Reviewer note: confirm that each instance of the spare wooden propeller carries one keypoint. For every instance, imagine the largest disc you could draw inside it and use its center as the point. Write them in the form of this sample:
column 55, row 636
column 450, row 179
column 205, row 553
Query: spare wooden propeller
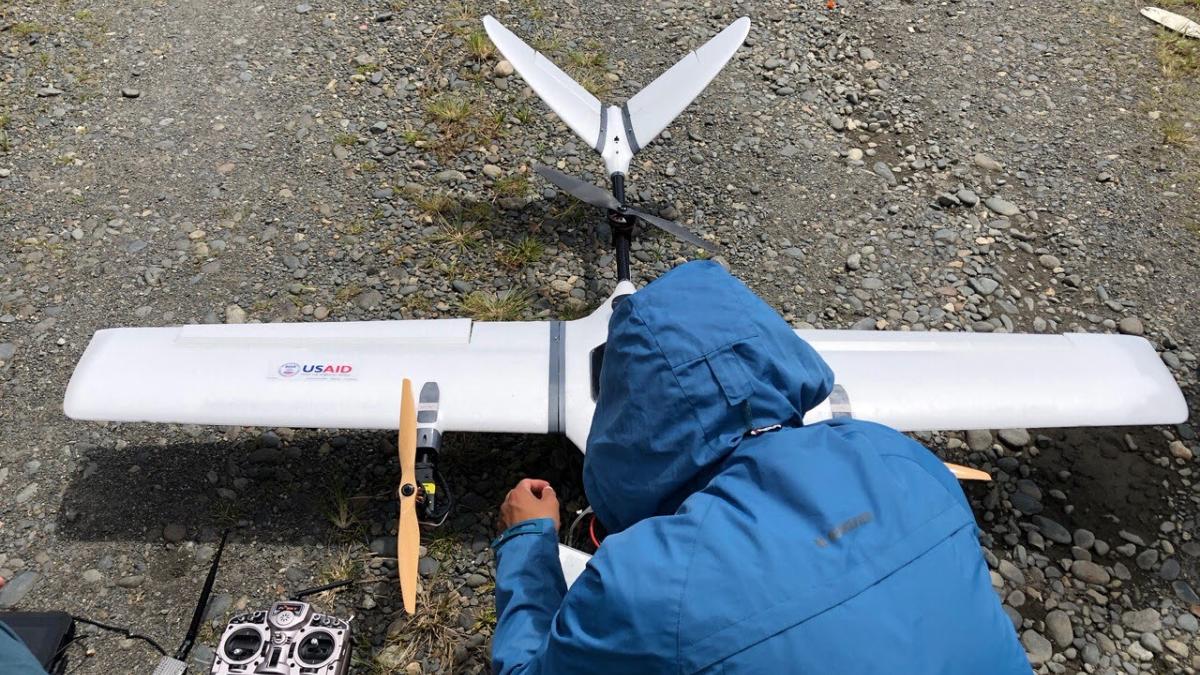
column 408, row 530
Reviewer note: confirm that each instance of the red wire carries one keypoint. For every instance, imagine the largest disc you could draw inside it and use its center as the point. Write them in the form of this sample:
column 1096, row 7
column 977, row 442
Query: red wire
column 592, row 531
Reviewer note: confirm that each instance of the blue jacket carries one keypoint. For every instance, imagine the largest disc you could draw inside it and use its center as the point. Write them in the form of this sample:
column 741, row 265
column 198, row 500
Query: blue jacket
column 737, row 546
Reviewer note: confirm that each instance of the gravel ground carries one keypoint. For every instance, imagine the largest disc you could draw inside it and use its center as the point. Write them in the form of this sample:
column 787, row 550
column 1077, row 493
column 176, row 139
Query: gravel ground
column 886, row 165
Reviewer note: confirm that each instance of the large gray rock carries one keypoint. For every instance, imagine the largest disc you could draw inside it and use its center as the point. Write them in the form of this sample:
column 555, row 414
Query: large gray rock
column 1001, row 206
column 1017, row 438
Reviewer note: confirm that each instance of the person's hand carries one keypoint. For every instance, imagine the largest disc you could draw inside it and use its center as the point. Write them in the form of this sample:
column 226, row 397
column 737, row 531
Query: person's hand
column 531, row 498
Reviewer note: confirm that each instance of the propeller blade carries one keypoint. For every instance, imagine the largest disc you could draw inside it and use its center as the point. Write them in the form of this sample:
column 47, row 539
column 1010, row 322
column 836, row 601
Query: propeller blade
column 579, row 189
column 676, row 229
column 967, row 473
column 408, row 530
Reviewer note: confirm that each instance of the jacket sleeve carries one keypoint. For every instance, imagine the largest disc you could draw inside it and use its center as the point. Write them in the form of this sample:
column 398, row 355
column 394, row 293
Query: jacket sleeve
column 597, row 627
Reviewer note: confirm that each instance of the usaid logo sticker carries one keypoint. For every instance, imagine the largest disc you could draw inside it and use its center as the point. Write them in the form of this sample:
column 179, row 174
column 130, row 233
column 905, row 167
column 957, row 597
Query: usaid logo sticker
column 293, row 370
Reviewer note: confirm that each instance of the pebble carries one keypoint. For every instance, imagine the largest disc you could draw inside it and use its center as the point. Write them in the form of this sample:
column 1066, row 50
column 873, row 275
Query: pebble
column 17, row 588
column 979, row 440
column 49, row 92
column 1084, row 539
column 1090, row 572
column 1142, row 621
column 235, row 314
column 503, row 68
column 884, row 171
column 1058, row 625
column 1131, row 325
column 1052, row 530
column 1011, row 572
column 1001, row 206
column 7, row 350
column 1017, row 438
column 130, row 92
column 303, row 8
column 837, row 122
column 1177, row 448
column 93, row 576
column 987, row 163
column 476, row 580
column 1037, row 647
column 967, row 197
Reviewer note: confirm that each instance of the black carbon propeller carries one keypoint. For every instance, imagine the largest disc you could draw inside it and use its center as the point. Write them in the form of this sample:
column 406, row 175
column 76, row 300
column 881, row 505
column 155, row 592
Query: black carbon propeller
column 599, row 197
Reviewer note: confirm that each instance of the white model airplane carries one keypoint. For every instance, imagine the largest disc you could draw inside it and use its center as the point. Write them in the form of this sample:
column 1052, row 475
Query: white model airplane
column 540, row 377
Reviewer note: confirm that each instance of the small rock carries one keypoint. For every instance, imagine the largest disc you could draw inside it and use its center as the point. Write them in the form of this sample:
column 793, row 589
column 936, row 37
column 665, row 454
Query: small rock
column 1170, row 569
column 49, row 92
column 967, row 197
column 1037, row 647
column 1178, row 449
column 1017, row 438
column 1131, row 325
column 987, row 163
column 450, row 176
column 492, row 171
column 16, row 589
column 130, row 92
column 1151, row 642
column 235, row 314
column 303, row 8
column 1011, row 572
column 503, row 68
column 1142, row 621
column 1146, row 559
column 1001, row 206
column 854, row 261
column 837, row 122
column 884, row 171
column 218, row 604
column 1058, row 624
column 1090, row 572
column 1052, row 530
column 1084, row 539
column 979, row 440
column 476, row 580
column 93, row 576
column 131, row 581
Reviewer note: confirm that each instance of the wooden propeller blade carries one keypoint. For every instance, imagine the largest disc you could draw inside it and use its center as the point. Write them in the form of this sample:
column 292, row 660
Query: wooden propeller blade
column 408, row 530
column 967, row 473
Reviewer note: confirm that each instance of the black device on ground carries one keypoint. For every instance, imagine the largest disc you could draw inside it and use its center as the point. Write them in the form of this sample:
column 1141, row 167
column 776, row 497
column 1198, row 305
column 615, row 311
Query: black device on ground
column 45, row 634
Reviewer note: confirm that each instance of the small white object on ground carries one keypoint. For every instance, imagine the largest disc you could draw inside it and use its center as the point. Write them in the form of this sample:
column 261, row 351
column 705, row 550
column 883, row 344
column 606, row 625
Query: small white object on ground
column 1173, row 21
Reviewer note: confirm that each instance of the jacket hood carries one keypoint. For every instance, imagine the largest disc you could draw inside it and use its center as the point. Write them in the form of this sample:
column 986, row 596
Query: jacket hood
column 694, row 362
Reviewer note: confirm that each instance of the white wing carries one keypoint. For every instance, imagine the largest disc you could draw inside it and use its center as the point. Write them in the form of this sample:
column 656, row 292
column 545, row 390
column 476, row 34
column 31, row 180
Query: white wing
column 653, row 108
column 935, row 381
column 535, row 377
column 492, row 376
column 571, row 102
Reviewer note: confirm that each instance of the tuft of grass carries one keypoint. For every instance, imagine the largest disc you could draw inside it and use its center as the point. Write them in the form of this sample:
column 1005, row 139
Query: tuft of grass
column 412, row 136
column 1178, row 56
column 449, row 108
column 366, row 68
column 24, row 29
column 343, row 566
column 1176, row 133
column 460, row 234
column 83, row 15
column 503, row 306
column 346, row 140
column 368, row 166
column 5, row 141
column 516, row 185
column 432, row 630
column 480, row 46
column 525, row 252
column 524, row 114
column 435, row 204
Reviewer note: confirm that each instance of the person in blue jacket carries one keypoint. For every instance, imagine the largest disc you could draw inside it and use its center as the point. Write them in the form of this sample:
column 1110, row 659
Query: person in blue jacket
column 15, row 657
column 742, row 540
